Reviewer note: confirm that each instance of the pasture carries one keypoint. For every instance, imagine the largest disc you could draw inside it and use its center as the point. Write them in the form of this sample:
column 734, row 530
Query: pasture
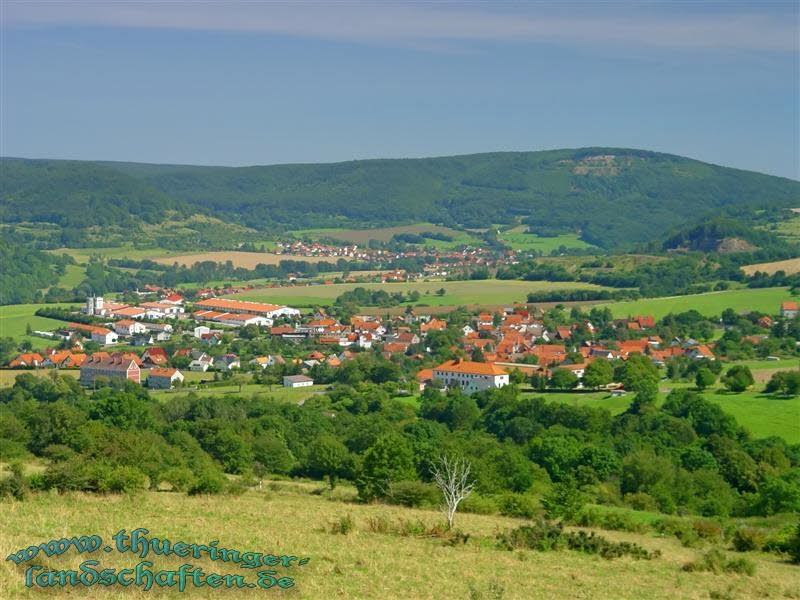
column 385, row 234
column 767, row 300
column 457, row 293
column 14, row 319
column 789, row 266
column 247, row 260
column 295, row 518
column 519, row 240
column 762, row 414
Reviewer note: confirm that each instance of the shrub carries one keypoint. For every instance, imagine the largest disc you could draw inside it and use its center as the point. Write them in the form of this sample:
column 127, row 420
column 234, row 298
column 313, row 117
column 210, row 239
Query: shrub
column 542, row 536
column 481, row 505
column 14, row 486
column 742, row 565
column 794, row 546
column 379, row 524
column 715, row 561
column 547, row 536
column 412, row 493
column 747, row 539
column 708, row 530
column 180, row 478
column 516, row 505
column 11, row 450
column 343, row 525
column 126, row 480
column 641, row 501
column 209, row 481
column 564, row 500
column 59, row 452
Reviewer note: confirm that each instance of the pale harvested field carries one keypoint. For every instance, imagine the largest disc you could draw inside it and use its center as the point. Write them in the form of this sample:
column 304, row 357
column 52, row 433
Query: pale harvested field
column 247, row 260
column 285, row 519
column 383, row 234
column 790, row 266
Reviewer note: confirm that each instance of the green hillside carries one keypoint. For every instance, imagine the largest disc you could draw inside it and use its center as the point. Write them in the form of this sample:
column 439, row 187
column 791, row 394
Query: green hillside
column 610, row 197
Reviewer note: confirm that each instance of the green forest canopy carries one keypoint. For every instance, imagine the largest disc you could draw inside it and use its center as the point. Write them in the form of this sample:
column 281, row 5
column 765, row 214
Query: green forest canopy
column 613, row 197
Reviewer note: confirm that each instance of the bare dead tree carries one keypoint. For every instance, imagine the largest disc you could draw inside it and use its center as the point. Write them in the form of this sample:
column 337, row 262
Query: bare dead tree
column 452, row 476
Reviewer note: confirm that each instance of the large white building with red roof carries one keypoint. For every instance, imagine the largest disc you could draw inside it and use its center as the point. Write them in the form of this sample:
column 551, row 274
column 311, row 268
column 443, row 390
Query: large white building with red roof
column 225, row 305
column 470, row 376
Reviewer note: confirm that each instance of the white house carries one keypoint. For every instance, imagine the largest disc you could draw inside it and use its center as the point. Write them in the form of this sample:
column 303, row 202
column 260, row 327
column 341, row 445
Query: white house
column 296, row 381
column 104, row 336
column 200, row 330
column 470, row 376
column 163, row 379
column 129, row 327
column 199, row 365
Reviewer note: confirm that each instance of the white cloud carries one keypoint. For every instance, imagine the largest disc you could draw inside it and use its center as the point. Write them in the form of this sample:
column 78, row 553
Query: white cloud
column 427, row 25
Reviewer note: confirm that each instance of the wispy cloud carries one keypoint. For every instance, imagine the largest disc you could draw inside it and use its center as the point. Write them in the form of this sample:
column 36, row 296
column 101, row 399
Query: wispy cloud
column 427, row 25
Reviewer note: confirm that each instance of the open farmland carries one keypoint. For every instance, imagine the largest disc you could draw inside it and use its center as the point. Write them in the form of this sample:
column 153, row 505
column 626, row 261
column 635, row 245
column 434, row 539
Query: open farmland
column 789, row 266
column 247, row 260
column 295, row 518
column 384, row 234
column 518, row 239
column 457, row 293
column 767, row 300
column 15, row 318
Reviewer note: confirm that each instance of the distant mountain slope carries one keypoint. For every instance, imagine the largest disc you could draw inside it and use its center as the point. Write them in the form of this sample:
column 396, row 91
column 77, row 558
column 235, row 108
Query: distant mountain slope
column 613, row 197
column 77, row 194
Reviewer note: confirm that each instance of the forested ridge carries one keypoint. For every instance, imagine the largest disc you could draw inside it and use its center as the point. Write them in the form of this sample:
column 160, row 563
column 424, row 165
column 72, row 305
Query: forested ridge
column 613, row 197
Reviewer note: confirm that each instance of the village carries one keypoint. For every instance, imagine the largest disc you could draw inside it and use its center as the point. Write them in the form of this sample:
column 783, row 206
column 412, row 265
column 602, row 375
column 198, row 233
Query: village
column 156, row 342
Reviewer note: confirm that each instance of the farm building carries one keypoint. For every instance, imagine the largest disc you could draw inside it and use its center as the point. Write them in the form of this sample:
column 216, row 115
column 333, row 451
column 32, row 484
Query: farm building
column 470, row 376
column 296, row 381
column 271, row 311
column 102, row 364
column 164, row 379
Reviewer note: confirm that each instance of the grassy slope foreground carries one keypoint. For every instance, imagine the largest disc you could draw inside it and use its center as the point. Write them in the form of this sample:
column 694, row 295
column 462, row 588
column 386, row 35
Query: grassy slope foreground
column 286, row 518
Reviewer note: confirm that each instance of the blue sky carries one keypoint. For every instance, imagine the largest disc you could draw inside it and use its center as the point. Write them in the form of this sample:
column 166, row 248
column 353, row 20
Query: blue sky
column 240, row 83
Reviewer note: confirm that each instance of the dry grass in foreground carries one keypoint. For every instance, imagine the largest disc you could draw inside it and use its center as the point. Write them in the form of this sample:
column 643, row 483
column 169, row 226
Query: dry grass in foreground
column 286, row 518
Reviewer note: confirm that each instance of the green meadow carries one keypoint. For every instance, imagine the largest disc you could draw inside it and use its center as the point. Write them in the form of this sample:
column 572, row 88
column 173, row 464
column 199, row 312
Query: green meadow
column 15, row 318
column 457, row 293
column 767, row 300
column 518, row 239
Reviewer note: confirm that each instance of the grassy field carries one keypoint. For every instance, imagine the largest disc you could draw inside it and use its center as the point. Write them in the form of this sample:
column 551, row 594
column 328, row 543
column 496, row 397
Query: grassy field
column 766, row 300
column 14, row 319
column 384, row 234
column 789, row 266
column 518, row 239
column 279, row 393
column 82, row 255
column 9, row 376
column 760, row 413
column 247, row 260
column 457, row 293
column 288, row 518
column 73, row 277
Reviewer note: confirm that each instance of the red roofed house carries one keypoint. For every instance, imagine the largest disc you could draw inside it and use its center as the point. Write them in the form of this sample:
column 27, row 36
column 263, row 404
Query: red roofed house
column 101, row 364
column 470, row 376
column 789, row 310
column 32, row 359
column 163, row 379
column 65, row 359
column 433, row 325
column 156, row 357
